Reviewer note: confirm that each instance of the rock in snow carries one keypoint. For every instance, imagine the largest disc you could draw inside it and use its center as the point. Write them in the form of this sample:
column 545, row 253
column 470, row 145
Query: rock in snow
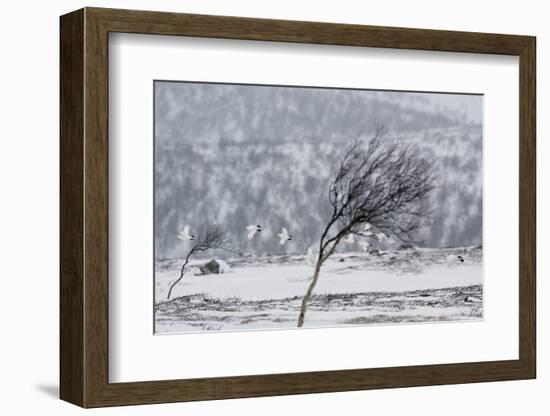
column 472, row 299
column 214, row 267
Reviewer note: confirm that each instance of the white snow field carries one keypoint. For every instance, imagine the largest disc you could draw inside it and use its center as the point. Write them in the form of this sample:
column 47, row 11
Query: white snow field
column 265, row 292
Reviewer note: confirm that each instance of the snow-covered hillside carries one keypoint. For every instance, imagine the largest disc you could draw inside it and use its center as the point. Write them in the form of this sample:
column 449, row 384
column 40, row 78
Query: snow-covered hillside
column 241, row 154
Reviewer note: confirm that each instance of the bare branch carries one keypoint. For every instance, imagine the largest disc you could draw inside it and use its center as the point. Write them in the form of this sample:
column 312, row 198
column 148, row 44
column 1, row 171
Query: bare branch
column 210, row 237
column 383, row 182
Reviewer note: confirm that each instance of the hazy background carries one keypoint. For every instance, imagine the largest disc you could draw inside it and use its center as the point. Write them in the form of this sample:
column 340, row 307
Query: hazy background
column 242, row 154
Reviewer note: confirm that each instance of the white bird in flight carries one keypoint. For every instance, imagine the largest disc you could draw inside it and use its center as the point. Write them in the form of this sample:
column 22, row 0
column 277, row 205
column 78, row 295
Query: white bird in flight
column 454, row 259
column 311, row 257
column 364, row 245
column 366, row 231
column 349, row 239
column 284, row 236
column 252, row 230
column 184, row 234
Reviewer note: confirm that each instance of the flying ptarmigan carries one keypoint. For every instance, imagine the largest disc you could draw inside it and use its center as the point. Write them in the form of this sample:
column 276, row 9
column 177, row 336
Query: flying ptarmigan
column 284, row 236
column 184, row 234
column 453, row 259
column 381, row 236
column 364, row 245
column 366, row 229
column 252, row 230
column 311, row 257
column 349, row 239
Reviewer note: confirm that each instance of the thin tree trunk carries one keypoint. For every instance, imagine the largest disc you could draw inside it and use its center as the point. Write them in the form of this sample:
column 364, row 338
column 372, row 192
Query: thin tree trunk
column 182, row 272
column 305, row 300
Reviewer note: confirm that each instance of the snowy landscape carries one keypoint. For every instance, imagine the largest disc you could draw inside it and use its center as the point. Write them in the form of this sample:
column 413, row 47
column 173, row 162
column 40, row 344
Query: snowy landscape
column 289, row 207
column 251, row 292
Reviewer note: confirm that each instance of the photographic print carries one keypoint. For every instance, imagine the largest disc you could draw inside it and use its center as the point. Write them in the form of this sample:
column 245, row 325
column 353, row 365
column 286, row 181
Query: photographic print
column 280, row 207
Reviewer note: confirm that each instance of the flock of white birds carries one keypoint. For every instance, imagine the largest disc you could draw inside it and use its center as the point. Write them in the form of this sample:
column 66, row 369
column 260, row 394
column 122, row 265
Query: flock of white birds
column 311, row 256
column 251, row 231
column 284, row 236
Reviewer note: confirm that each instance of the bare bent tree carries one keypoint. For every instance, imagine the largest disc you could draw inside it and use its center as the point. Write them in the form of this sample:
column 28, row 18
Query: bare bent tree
column 210, row 237
column 380, row 182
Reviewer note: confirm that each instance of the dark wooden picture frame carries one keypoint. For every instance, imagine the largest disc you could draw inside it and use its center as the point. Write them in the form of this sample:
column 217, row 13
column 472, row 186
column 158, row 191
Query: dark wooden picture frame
column 84, row 207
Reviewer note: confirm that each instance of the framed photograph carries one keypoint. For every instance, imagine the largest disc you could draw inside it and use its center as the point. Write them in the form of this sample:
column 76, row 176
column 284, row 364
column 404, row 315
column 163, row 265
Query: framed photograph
column 254, row 207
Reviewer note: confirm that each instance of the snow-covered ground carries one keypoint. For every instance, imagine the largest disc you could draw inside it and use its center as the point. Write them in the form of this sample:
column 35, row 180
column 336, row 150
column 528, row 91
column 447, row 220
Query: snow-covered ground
column 416, row 285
